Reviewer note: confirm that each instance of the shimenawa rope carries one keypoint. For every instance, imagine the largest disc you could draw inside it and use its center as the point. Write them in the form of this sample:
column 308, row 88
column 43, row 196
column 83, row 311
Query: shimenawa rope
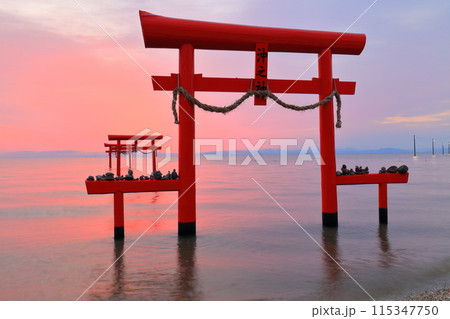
column 258, row 93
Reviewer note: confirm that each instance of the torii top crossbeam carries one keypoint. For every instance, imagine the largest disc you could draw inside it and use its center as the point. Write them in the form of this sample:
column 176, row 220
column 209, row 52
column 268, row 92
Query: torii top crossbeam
column 163, row 32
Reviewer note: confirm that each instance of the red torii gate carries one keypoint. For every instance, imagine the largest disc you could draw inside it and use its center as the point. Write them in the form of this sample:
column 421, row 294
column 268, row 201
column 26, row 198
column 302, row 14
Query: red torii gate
column 134, row 146
column 118, row 188
column 188, row 35
column 112, row 149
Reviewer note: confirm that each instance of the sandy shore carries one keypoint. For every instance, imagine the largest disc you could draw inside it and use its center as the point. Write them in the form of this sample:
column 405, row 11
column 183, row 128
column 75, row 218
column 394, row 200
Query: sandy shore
column 442, row 294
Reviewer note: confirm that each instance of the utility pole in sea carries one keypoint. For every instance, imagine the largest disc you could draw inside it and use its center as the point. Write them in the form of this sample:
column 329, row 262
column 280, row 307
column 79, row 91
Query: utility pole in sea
column 432, row 146
column 415, row 154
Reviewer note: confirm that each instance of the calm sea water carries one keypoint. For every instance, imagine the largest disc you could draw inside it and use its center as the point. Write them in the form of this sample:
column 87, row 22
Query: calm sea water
column 56, row 240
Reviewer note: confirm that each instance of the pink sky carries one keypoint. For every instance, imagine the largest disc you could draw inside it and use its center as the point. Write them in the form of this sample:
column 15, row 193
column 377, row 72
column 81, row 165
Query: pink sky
column 65, row 84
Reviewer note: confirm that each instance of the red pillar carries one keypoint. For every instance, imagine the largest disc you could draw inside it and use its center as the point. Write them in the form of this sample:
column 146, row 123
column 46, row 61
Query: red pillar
column 153, row 157
column 110, row 155
column 327, row 147
column 145, row 168
column 118, row 158
column 186, row 132
column 119, row 229
column 382, row 203
column 134, row 149
column 129, row 158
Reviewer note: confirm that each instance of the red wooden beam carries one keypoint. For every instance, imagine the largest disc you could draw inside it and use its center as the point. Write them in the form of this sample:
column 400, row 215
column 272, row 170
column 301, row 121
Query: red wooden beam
column 114, row 145
column 372, row 179
column 114, row 137
column 207, row 84
column 163, row 32
column 151, row 148
column 123, row 148
column 139, row 186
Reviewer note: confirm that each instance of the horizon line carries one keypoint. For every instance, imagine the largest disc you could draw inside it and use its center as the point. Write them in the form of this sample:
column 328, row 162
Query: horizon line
column 98, row 154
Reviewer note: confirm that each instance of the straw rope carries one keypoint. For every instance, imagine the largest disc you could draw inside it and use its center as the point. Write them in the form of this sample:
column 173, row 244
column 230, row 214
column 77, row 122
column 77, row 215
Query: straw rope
column 258, row 93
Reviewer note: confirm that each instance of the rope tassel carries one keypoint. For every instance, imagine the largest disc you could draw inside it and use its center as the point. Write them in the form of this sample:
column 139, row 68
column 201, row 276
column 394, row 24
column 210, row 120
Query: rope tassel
column 258, row 93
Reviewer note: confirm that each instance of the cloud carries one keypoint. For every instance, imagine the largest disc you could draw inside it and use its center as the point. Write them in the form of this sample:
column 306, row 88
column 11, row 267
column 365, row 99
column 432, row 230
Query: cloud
column 420, row 15
column 447, row 101
column 418, row 119
column 67, row 18
column 74, row 18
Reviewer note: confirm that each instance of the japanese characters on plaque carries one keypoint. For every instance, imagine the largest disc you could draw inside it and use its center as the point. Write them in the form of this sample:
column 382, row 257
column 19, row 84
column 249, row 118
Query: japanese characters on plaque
column 260, row 82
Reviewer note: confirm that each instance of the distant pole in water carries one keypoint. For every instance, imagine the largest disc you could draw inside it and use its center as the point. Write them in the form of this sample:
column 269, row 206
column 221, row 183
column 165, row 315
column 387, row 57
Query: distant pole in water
column 432, row 146
column 448, row 148
column 443, row 149
column 415, row 154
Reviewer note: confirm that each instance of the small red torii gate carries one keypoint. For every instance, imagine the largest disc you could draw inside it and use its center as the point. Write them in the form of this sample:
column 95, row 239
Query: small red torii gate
column 112, row 149
column 118, row 188
column 188, row 35
column 134, row 147
column 128, row 148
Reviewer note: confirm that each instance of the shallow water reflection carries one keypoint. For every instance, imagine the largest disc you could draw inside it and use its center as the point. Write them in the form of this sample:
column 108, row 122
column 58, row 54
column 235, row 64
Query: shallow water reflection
column 57, row 240
column 186, row 278
column 119, row 270
column 386, row 257
column 331, row 257
column 122, row 283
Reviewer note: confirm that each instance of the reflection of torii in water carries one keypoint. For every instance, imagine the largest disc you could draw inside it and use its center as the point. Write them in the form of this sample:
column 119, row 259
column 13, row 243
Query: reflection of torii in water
column 387, row 257
column 153, row 284
column 332, row 258
column 185, row 279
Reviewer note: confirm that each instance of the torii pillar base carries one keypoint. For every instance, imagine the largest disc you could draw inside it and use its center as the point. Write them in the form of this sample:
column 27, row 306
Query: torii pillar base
column 119, row 227
column 382, row 203
column 330, row 219
column 186, row 229
column 119, row 233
